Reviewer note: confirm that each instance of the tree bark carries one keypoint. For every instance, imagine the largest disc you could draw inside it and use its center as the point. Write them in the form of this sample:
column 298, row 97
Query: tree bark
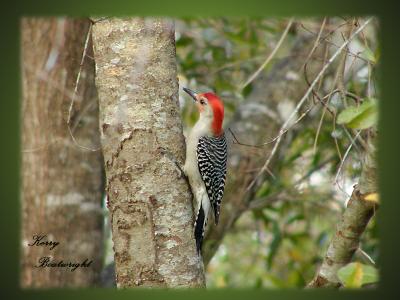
column 141, row 135
column 354, row 220
column 256, row 121
column 62, row 184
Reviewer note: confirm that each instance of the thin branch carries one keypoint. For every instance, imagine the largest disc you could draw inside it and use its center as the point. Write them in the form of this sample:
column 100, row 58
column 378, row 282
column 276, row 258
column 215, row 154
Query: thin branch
column 325, row 39
column 342, row 66
column 78, row 77
column 302, row 101
column 315, row 94
column 317, row 41
column 343, row 160
column 263, row 202
column 272, row 54
column 363, row 256
column 236, row 141
column 336, row 82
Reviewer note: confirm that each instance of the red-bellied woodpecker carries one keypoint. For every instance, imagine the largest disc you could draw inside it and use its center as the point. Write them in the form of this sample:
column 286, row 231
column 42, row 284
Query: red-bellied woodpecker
column 206, row 155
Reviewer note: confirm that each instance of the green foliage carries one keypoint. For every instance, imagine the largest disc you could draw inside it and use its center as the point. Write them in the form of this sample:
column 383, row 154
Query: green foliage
column 360, row 117
column 281, row 244
column 354, row 275
column 276, row 242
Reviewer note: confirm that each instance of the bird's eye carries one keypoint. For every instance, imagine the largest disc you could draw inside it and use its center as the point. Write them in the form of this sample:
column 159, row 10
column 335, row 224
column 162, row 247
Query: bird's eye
column 202, row 102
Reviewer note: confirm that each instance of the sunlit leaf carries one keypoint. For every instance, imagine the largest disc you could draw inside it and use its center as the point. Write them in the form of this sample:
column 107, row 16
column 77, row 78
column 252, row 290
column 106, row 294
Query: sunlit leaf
column 373, row 197
column 368, row 54
column 359, row 117
column 354, row 275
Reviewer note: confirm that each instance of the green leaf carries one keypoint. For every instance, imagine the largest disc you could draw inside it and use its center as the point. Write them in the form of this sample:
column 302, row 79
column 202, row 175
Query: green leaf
column 264, row 190
column 247, row 90
column 370, row 275
column 368, row 54
column 276, row 242
column 354, row 275
column 294, row 218
column 359, row 117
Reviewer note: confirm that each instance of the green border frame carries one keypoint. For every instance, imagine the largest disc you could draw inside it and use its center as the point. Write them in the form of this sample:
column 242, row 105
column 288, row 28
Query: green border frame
column 389, row 142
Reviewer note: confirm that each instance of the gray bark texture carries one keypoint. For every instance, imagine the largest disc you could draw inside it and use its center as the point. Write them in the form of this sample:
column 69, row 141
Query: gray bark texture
column 351, row 226
column 62, row 184
column 257, row 121
column 141, row 134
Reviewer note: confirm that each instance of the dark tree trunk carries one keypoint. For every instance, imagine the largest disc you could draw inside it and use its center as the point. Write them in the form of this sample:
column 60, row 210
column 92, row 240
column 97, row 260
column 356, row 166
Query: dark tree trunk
column 62, row 184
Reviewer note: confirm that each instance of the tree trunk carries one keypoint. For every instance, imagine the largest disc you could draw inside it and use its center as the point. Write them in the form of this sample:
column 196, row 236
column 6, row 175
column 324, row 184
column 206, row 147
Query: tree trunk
column 141, row 135
column 62, row 184
column 256, row 121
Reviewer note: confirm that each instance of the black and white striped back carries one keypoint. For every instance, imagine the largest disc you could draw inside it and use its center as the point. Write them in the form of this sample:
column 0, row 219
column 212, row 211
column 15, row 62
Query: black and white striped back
column 211, row 157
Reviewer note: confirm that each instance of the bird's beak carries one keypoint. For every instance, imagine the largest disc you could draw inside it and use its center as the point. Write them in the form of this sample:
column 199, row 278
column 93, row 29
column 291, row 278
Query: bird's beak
column 191, row 93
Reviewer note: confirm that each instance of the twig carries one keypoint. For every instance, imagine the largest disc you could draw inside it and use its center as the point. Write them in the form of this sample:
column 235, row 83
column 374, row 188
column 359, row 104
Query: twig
column 236, row 141
column 352, row 140
column 262, row 202
column 78, row 77
column 361, row 254
column 272, row 54
column 342, row 66
column 301, row 102
column 276, row 137
column 339, row 82
column 317, row 40
column 94, row 20
column 325, row 39
column 344, row 159
column 236, row 63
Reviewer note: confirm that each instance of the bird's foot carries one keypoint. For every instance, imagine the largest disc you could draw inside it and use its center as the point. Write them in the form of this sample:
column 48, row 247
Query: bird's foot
column 178, row 167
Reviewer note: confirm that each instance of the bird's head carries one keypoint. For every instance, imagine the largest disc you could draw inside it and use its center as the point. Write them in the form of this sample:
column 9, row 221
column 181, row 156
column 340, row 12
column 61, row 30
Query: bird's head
column 211, row 109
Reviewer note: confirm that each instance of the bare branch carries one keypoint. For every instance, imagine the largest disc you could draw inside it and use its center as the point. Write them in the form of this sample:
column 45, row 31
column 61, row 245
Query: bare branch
column 272, row 54
column 78, row 77
column 344, row 159
column 302, row 101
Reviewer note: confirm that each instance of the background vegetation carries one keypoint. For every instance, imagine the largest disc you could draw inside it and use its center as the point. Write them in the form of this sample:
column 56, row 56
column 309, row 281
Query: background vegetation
column 282, row 244
column 301, row 102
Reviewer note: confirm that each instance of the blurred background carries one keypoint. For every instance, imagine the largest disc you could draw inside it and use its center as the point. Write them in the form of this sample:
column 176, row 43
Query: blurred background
column 300, row 115
column 276, row 234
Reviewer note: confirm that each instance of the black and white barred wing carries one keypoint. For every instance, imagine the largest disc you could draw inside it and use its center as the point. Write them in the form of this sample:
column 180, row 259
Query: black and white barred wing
column 212, row 156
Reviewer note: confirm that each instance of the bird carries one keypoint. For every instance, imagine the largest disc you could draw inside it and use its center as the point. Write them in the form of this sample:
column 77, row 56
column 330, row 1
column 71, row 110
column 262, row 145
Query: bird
column 206, row 159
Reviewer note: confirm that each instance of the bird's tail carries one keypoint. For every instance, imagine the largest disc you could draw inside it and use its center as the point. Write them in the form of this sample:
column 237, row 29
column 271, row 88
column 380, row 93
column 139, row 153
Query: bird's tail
column 199, row 227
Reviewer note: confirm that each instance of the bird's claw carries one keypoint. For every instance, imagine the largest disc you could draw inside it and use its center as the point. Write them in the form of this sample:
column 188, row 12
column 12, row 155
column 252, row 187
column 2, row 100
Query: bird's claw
column 178, row 167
